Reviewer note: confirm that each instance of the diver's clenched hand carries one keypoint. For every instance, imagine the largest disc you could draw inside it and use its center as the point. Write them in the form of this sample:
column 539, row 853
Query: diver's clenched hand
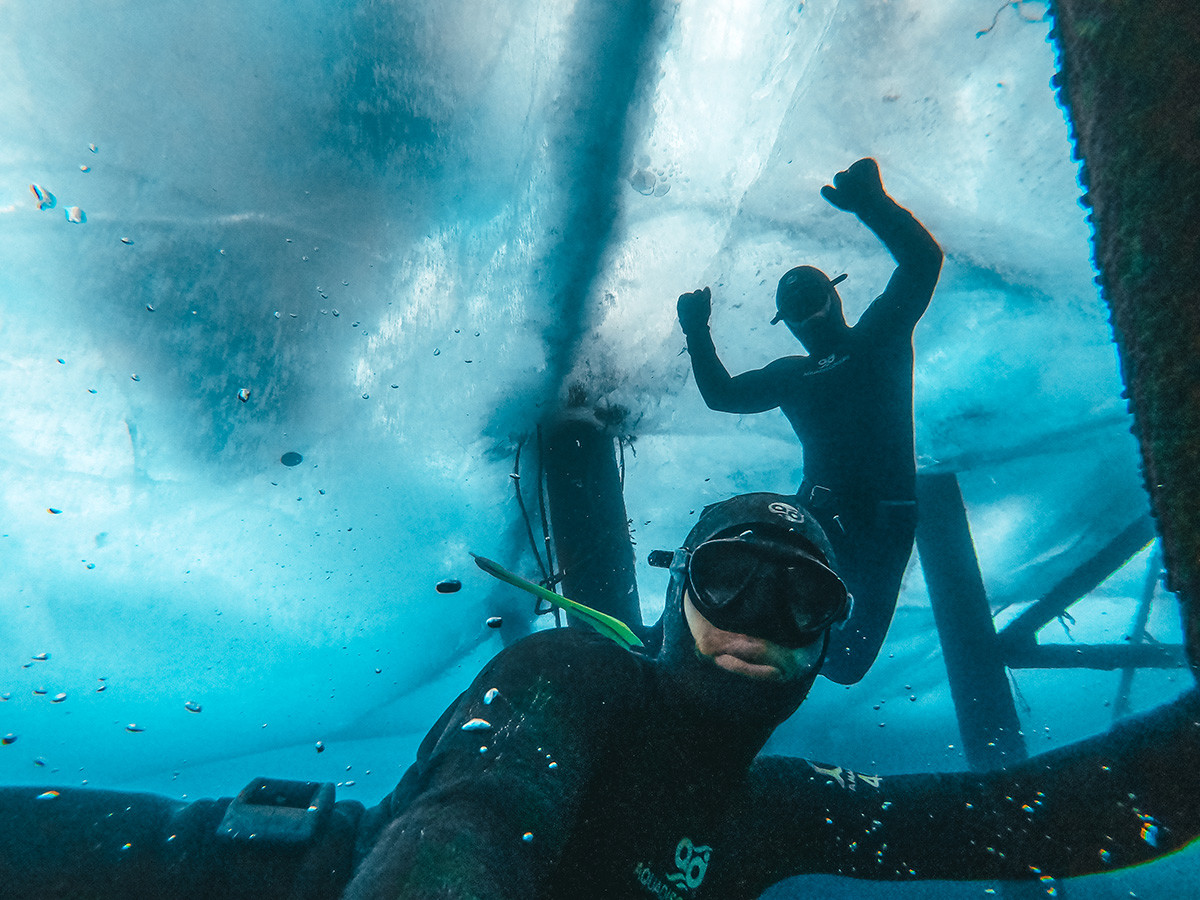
column 856, row 189
column 694, row 309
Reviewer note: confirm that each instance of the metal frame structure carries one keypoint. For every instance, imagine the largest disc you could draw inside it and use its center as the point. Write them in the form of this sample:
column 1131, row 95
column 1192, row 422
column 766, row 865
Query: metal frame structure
column 977, row 655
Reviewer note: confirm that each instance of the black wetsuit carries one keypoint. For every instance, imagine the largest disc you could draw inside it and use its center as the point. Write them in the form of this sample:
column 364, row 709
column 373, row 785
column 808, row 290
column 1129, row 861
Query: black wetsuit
column 73, row 843
column 597, row 779
column 624, row 792
column 852, row 408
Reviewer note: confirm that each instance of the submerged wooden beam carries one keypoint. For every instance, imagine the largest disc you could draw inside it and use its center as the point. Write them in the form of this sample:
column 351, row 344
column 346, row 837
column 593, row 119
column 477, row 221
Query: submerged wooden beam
column 1082, row 581
column 1128, row 77
column 1137, row 634
column 1106, row 657
column 983, row 702
column 588, row 521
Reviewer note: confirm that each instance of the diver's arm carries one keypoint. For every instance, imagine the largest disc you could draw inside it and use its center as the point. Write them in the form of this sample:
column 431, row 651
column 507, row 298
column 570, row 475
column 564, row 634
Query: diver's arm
column 750, row 392
column 88, row 844
column 491, row 807
column 1117, row 800
column 918, row 257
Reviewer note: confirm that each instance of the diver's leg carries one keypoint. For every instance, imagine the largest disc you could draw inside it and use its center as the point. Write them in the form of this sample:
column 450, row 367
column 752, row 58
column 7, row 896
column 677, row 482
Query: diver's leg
column 871, row 560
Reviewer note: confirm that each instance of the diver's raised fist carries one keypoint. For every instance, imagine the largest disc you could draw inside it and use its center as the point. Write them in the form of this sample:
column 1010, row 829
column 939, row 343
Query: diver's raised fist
column 856, row 188
column 694, row 309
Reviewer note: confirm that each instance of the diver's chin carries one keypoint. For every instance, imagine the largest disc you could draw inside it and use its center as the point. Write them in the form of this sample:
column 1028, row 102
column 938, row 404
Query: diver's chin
column 815, row 344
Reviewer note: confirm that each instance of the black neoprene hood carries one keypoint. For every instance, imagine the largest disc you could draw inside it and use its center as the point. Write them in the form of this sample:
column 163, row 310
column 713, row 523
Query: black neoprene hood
column 751, row 708
column 803, row 291
column 776, row 512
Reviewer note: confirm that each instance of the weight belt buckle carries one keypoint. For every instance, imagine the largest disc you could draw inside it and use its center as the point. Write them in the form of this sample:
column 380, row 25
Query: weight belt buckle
column 277, row 811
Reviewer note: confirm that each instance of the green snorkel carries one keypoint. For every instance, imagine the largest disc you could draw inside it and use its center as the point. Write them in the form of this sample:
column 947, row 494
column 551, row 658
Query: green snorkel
column 612, row 628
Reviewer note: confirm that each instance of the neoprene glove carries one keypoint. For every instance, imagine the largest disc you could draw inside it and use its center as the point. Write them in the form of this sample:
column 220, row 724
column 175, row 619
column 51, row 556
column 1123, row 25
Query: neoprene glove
column 694, row 310
column 857, row 189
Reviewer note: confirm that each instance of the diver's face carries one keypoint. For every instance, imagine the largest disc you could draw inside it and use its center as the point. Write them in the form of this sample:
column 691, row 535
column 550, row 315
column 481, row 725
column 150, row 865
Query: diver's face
column 816, row 329
column 753, row 657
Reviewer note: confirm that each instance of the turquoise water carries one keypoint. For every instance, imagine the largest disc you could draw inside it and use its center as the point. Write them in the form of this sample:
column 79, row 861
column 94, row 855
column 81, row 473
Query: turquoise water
column 294, row 281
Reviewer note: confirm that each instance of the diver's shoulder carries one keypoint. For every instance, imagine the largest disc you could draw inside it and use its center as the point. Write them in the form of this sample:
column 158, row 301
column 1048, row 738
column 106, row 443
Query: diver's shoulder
column 576, row 663
column 573, row 648
column 574, row 640
column 785, row 364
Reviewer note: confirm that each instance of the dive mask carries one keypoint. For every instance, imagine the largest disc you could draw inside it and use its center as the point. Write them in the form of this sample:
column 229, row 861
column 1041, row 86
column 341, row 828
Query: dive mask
column 762, row 584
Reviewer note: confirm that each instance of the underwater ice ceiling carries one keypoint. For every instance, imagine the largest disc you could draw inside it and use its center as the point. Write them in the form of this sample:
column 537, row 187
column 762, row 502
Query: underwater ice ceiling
column 284, row 286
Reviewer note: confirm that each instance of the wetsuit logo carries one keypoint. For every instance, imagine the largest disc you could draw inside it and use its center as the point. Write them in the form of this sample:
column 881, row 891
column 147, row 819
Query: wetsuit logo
column 692, row 862
column 832, row 361
column 786, row 511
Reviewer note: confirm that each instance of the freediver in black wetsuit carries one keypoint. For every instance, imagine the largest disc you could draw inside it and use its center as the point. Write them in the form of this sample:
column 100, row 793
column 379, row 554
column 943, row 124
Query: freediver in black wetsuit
column 850, row 401
column 574, row 767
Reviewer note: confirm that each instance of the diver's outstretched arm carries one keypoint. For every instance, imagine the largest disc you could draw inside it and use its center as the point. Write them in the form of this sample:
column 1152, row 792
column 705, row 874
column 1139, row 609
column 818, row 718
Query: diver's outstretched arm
column 1117, row 800
column 750, row 392
column 485, row 814
column 859, row 189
